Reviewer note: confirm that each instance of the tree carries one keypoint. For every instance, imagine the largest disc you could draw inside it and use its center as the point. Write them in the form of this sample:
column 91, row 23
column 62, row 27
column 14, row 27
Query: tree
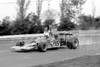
column 70, row 8
column 66, row 25
column 50, row 14
column 22, row 9
column 20, row 25
column 86, row 22
column 97, row 22
column 34, row 18
column 69, row 12
column 93, row 12
column 5, row 28
column 30, row 25
column 49, row 22
column 36, row 26
column 39, row 7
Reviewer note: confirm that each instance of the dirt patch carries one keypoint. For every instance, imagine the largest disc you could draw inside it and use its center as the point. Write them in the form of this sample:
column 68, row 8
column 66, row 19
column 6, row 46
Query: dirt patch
column 85, row 61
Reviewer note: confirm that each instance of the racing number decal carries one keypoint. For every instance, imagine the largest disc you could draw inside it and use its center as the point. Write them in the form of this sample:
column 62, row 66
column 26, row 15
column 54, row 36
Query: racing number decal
column 55, row 43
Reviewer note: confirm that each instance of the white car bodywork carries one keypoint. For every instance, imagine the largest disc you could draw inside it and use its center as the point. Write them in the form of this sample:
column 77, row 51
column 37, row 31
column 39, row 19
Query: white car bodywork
column 25, row 47
column 34, row 44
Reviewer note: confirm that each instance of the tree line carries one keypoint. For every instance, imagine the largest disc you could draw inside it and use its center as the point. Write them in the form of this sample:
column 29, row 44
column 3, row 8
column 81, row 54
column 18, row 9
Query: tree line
column 32, row 23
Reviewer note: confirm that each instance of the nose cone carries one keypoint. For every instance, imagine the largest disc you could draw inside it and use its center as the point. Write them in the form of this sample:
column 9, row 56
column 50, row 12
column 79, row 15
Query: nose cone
column 17, row 48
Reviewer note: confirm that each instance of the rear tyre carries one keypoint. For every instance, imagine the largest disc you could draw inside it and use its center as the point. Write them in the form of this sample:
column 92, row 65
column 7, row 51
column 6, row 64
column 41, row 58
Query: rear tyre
column 42, row 48
column 75, row 43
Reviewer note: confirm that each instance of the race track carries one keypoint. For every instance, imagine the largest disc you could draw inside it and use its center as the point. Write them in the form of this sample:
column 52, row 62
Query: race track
column 8, row 58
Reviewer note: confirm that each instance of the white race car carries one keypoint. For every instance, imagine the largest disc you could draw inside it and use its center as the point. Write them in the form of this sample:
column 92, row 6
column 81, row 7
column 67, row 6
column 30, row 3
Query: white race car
column 45, row 42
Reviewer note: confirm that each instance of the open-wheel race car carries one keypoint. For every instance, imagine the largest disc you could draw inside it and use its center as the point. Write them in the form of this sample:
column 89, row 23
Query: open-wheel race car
column 44, row 42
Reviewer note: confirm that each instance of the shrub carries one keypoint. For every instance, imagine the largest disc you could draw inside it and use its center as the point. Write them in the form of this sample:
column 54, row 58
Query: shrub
column 5, row 28
column 27, row 26
column 66, row 25
column 48, row 22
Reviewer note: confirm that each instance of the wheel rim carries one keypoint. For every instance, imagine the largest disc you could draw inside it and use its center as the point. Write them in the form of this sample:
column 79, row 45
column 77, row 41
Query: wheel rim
column 44, row 47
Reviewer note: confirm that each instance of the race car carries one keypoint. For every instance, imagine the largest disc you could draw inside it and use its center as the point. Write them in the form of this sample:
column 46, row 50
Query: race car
column 44, row 42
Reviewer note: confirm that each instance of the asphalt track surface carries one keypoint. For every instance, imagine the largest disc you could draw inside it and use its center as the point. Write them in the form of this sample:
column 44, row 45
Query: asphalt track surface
column 89, row 45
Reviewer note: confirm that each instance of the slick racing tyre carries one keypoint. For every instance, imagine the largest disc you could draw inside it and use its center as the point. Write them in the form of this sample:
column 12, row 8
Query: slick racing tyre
column 74, row 44
column 42, row 48
column 69, row 45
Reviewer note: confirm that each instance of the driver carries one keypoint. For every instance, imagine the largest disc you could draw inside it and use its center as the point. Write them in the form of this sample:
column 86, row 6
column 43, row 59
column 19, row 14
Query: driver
column 47, row 31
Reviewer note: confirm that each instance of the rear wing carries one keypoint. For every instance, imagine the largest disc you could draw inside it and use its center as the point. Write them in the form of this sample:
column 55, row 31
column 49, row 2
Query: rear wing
column 70, row 33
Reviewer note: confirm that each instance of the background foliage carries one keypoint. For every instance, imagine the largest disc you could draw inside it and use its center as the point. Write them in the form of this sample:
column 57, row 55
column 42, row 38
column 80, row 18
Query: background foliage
column 31, row 23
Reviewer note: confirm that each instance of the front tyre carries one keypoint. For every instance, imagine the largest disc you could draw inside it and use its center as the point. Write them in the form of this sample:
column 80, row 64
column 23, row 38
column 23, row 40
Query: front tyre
column 42, row 48
column 69, row 45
